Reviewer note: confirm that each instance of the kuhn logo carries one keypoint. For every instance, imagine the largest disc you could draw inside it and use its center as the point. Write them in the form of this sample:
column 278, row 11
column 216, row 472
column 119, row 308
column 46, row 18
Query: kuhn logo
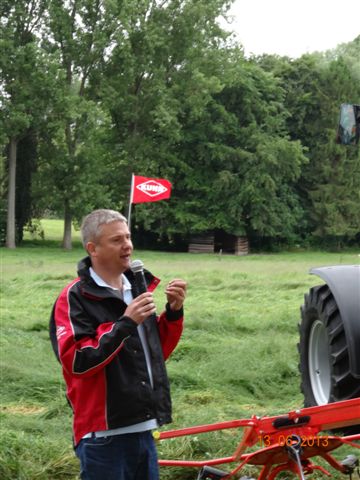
column 152, row 188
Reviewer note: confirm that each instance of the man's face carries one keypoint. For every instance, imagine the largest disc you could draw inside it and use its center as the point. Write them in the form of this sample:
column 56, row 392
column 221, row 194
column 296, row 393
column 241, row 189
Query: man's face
column 113, row 247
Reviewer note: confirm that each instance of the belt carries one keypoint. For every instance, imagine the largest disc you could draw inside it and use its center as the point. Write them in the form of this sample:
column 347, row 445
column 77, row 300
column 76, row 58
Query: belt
column 138, row 428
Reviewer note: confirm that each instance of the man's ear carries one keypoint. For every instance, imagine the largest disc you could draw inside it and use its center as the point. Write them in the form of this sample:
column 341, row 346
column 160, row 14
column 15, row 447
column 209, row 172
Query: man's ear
column 91, row 249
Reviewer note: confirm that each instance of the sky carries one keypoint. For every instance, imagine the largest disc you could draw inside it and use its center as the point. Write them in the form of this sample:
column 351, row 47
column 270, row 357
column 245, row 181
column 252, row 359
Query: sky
column 294, row 27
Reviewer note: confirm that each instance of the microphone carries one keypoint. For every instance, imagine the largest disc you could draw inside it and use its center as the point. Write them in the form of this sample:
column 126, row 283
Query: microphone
column 137, row 268
column 140, row 286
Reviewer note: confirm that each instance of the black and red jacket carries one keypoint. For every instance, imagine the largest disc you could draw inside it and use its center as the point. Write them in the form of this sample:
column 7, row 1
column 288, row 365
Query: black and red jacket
column 103, row 362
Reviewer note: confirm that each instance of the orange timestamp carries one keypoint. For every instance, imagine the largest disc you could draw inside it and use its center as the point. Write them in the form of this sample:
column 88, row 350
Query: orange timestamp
column 289, row 440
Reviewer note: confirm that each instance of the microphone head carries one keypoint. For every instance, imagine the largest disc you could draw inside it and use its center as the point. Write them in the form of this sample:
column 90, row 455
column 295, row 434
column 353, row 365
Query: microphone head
column 136, row 266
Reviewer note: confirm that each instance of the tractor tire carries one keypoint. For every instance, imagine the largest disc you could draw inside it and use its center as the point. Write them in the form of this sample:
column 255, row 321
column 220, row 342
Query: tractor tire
column 324, row 354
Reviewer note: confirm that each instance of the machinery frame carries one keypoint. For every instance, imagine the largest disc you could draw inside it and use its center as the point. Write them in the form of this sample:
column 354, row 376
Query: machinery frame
column 287, row 442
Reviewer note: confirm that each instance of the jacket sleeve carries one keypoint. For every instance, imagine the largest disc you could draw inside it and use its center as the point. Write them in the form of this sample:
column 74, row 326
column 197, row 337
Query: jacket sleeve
column 170, row 324
column 84, row 348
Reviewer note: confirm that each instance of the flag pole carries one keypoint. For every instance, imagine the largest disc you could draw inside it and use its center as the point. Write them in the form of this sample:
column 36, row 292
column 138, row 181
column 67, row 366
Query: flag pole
column 130, row 201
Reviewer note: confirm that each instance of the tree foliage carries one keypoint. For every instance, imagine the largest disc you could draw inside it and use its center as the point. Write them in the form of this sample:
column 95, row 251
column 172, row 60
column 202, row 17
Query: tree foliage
column 104, row 89
column 330, row 183
column 25, row 86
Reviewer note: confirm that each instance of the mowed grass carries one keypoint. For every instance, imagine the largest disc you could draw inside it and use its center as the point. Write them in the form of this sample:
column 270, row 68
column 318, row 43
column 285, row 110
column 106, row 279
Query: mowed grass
column 237, row 357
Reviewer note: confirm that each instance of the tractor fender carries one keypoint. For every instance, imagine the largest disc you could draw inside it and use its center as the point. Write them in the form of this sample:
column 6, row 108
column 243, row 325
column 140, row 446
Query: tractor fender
column 344, row 283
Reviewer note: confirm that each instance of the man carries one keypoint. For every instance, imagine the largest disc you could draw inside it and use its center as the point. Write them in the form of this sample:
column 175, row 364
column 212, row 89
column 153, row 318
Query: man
column 112, row 348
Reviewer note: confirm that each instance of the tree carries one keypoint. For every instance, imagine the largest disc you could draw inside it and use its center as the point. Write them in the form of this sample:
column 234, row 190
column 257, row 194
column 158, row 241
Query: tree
column 24, row 68
column 329, row 184
column 335, row 182
column 26, row 167
column 157, row 64
column 241, row 167
column 74, row 181
column 188, row 107
column 80, row 32
column 349, row 53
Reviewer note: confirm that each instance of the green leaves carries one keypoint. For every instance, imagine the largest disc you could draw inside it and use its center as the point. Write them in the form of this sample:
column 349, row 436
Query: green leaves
column 110, row 87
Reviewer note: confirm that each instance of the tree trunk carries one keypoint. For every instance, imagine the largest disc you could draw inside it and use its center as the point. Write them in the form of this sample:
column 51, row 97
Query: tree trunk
column 10, row 225
column 67, row 244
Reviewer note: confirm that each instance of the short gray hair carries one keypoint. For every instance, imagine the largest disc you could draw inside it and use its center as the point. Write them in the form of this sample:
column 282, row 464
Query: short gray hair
column 91, row 224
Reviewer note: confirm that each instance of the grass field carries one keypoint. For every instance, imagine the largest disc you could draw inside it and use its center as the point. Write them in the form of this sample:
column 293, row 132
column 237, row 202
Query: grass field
column 238, row 355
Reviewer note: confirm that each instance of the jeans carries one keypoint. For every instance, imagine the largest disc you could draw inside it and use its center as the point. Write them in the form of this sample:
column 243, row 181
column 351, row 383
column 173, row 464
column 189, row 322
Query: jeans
column 131, row 456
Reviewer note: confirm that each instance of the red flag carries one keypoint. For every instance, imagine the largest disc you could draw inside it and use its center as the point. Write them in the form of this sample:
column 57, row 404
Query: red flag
column 145, row 189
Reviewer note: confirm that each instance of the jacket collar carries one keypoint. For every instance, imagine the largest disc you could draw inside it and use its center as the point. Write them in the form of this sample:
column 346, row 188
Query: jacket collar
column 90, row 289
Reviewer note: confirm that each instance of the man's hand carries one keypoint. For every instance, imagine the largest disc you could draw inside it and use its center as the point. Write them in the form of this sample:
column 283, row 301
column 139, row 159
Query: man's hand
column 141, row 308
column 176, row 293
